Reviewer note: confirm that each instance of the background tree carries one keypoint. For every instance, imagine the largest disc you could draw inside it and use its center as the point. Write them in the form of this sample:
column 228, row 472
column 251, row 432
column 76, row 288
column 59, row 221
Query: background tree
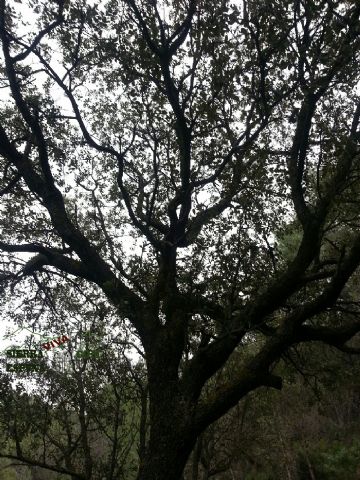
column 80, row 416
column 191, row 132
column 307, row 431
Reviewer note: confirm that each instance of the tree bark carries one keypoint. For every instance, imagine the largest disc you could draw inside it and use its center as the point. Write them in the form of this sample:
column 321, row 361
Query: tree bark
column 172, row 436
column 165, row 463
column 196, row 459
column 169, row 446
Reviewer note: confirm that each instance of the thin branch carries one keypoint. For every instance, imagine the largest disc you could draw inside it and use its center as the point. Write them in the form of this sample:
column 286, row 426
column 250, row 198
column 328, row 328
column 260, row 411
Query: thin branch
column 34, row 463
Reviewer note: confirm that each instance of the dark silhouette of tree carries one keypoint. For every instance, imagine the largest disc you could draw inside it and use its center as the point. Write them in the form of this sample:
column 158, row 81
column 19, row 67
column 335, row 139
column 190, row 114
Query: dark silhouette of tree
column 193, row 131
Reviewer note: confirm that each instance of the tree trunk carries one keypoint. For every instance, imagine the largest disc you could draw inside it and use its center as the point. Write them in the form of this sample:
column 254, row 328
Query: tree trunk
column 167, row 452
column 311, row 471
column 196, row 459
column 164, row 464
column 169, row 447
column 171, row 438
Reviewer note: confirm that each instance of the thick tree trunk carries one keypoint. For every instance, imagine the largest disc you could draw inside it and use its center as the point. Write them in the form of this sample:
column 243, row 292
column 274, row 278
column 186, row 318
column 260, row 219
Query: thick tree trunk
column 172, row 435
column 166, row 462
column 171, row 439
column 170, row 443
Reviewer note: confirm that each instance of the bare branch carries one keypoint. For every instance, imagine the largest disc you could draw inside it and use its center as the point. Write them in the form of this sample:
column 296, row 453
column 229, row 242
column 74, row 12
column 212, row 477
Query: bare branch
column 34, row 463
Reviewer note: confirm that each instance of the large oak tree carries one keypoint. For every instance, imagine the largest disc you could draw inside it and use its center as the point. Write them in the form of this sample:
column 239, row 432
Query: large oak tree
column 157, row 150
